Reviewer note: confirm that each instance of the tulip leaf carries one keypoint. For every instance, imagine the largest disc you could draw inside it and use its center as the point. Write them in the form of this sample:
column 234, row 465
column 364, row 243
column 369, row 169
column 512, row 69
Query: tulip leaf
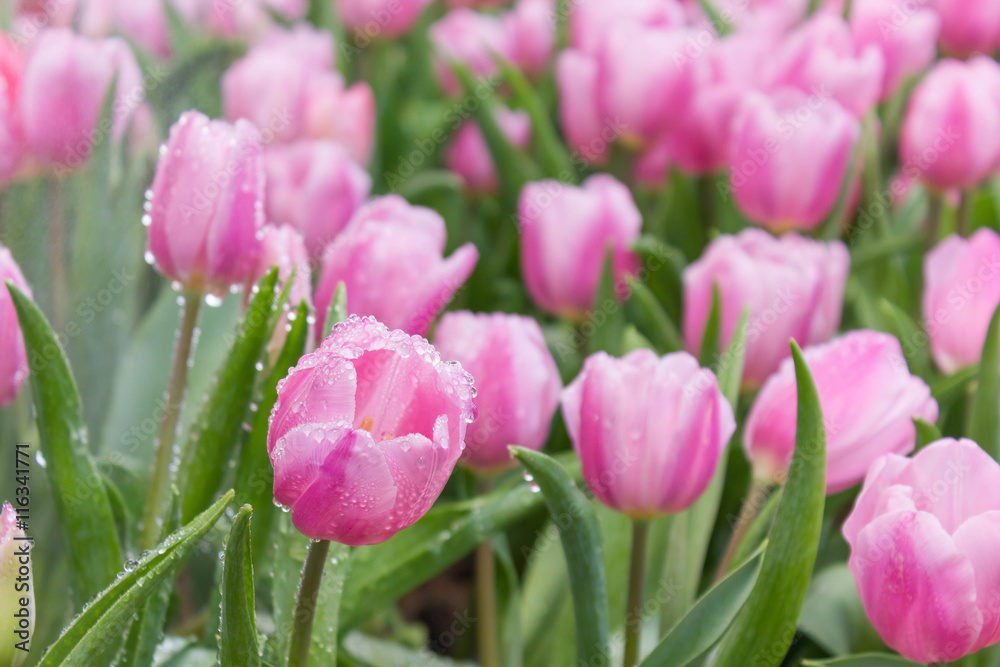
column 81, row 499
column 664, row 266
column 659, row 327
column 765, row 627
column 581, row 539
column 926, row 432
column 238, row 631
column 94, row 632
column 713, row 331
column 911, row 338
column 757, row 532
column 607, row 317
column 864, row 660
column 984, row 418
column 218, row 427
column 338, row 309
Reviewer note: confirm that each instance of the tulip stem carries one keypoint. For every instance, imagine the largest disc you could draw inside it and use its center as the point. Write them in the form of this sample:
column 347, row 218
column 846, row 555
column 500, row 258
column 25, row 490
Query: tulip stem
column 486, row 598
column 305, row 603
column 57, row 256
column 160, row 480
column 636, row 590
column 935, row 207
column 759, row 490
column 962, row 215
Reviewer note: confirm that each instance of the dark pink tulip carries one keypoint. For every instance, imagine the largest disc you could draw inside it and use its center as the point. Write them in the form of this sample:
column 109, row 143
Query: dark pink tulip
column 792, row 286
column 969, row 26
column 205, row 206
column 390, row 258
column 471, row 38
column 13, row 357
column 380, row 18
column 905, row 33
column 366, row 431
column 517, row 382
column 469, row 156
column 531, row 34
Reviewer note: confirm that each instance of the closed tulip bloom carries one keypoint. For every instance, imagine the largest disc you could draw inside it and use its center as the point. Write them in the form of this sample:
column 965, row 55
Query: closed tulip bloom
column 531, row 34
column 792, row 286
column 340, row 113
column 390, row 258
column 315, row 187
column 951, row 131
column 924, row 536
column 789, row 158
column 649, row 430
column 11, row 127
column 365, row 432
column 13, row 357
column 282, row 246
column 517, row 382
column 969, row 26
column 468, row 155
column 961, row 293
column 590, row 19
column 14, row 562
column 65, row 82
column 588, row 132
column 869, row 401
column 380, row 18
column 565, row 234
column 205, row 208
column 471, row 38
column 907, row 47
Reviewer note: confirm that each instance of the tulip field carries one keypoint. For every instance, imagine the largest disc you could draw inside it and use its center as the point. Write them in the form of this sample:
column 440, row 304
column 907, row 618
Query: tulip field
column 509, row 333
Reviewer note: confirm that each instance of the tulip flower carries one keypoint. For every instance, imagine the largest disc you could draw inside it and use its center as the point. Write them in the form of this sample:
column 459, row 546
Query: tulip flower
column 13, row 357
column 951, row 132
column 517, row 382
column 961, row 293
column 969, row 26
column 907, row 45
column 869, row 401
column 792, row 286
column 340, row 113
column 471, row 38
column 924, row 536
column 469, row 156
column 380, row 18
column 587, row 131
column 205, row 208
column 590, row 20
column 17, row 604
column 11, row 127
column 315, row 187
column 565, row 233
column 282, row 246
column 390, row 259
column 366, row 431
column 531, row 34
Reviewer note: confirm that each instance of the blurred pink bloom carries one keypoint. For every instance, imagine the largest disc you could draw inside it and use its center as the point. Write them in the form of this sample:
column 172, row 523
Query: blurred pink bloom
column 969, row 26
column 390, row 258
column 649, row 430
column 869, row 401
column 471, row 38
column 365, row 433
column 517, row 382
column 469, row 156
column 282, row 246
column 766, row 17
column 905, row 33
column 951, row 132
column 590, row 20
column 375, row 18
column 12, row 62
column 588, row 132
column 13, row 357
column 531, row 34
column 342, row 114
column 792, row 286
column 206, row 208
column 566, row 232
column 315, row 187
column 924, row 537
column 32, row 17
column 143, row 21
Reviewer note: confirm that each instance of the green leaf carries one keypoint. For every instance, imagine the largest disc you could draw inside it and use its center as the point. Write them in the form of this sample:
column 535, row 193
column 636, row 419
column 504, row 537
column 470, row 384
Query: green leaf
column 659, row 327
column 376, row 652
column 508, row 604
column 720, row 24
column 708, row 619
column 909, row 334
column 100, row 626
column 607, row 320
column 218, row 428
column 664, row 265
column 581, row 540
column 713, row 331
column 764, row 629
column 759, row 527
column 926, row 432
column 833, row 615
column 81, row 500
column 323, row 642
column 984, row 418
column 338, row 309
column 238, row 634
column 864, row 660
column 729, row 369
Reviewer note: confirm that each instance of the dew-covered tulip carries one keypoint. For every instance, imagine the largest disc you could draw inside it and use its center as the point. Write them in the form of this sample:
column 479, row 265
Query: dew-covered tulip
column 566, row 232
column 649, row 430
column 789, row 157
column 868, row 398
column 969, row 26
column 905, row 34
column 390, row 258
column 17, row 604
column 380, row 18
column 13, row 357
column 205, row 205
column 469, row 37
column 961, row 293
column 951, row 131
column 793, row 287
column 924, row 536
column 282, row 246
column 315, row 187
column 468, row 155
column 366, row 431
column 517, row 382
column 66, row 80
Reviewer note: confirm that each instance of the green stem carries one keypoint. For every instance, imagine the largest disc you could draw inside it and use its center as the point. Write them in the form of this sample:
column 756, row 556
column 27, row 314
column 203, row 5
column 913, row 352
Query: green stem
column 935, row 208
column 636, row 584
column 706, row 202
column 305, row 603
column 160, row 481
column 57, row 257
column 759, row 490
column 962, row 215
column 486, row 598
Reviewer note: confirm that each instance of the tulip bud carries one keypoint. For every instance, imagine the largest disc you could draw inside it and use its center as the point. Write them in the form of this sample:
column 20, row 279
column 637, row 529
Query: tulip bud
column 924, row 536
column 205, row 208
column 517, row 382
column 17, row 604
column 13, row 357
column 531, row 34
column 380, row 18
column 282, row 246
column 793, row 288
column 869, row 401
column 951, row 132
column 905, row 33
column 471, row 38
column 366, row 431
column 390, row 259
column 969, row 26
column 649, row 431
column 565, row 234
column 469, row 156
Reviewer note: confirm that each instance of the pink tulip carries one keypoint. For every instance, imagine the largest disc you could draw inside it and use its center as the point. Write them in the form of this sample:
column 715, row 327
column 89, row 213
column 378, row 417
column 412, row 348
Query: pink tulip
column 65, row 82
column 471, row 38
column 951, row 132
column 649, row 431
column 588, row 132
column 342, row 114
column 565, row 234
column 11, row 127
column 469, row 156
column 205, row 206
column 769, row 17
column 789, row 157
column 961, row 293
column 365, row 433
column 924, row 537
column 905, row 34
column 13, row 357
column 282, row 246
column 315, row 187
column 375, row 18
column 869, row 400
column 143, row 21
column 15, row 577
column 531, row 34
column 969, row 26
column 517, row 382
column 390, row 259
column 792, row 286
column 590, row 20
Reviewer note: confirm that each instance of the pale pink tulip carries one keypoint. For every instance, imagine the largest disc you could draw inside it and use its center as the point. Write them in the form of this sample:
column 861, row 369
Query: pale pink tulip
column 469, row 156
column 471, row 38
column 380, row 18
column 344, row 114
column 13, row 356
column 904, row 33
column 531, row 34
